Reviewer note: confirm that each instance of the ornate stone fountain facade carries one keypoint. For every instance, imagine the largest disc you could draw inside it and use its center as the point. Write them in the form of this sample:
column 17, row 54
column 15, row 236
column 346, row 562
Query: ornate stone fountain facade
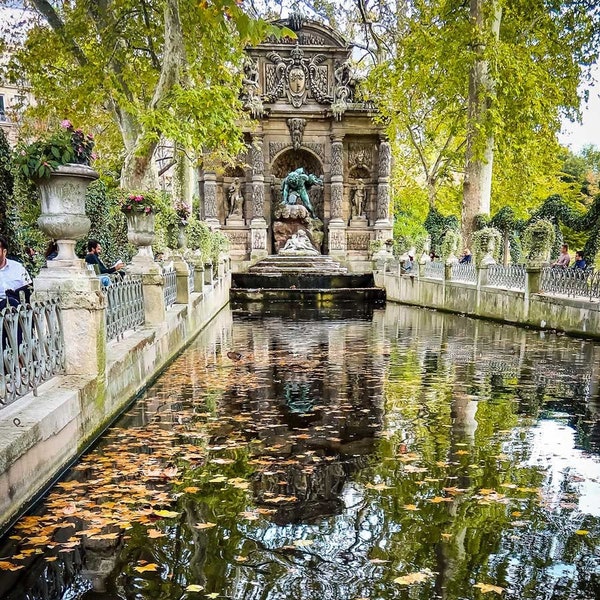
column 301, row 96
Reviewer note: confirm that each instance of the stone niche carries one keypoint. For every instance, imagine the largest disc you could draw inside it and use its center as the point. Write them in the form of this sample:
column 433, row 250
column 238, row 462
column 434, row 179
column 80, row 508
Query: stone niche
column 300, row 95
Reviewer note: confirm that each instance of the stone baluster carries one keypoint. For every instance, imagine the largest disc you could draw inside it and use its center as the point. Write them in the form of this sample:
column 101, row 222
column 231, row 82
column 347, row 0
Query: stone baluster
column 258, row 225
column 337, row 225
column 383, row 225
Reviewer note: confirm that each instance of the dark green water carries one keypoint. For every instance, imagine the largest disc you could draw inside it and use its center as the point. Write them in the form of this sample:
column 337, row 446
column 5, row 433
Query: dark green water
column 415, row 455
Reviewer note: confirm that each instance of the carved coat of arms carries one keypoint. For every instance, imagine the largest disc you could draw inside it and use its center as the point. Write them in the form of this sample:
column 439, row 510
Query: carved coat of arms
column 296, row 76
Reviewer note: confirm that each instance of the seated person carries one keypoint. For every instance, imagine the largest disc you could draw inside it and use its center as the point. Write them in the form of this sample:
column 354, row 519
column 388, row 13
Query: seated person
column 14, row 278
column 580, row 262
column 407, row 265
column 93, row 258
column 466, row 257
column 564, row 259
column 51, row 251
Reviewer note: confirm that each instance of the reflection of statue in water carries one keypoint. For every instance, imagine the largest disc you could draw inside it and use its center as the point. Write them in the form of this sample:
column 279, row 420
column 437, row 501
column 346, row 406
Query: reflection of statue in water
column 295, row 186
column 358, row 199
column 300, row 241
column 235, row 199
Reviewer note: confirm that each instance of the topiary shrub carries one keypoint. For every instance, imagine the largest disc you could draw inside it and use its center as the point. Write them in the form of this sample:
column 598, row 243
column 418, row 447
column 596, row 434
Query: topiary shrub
column 450, row 245
column 486, row 244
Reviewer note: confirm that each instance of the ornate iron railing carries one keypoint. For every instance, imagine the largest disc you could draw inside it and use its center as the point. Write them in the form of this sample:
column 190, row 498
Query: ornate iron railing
column 464, row 272
column 170, row 286
column 511, row 277
column 124, row 305
column 32, row 348
column 571, row 282
column 434, row 270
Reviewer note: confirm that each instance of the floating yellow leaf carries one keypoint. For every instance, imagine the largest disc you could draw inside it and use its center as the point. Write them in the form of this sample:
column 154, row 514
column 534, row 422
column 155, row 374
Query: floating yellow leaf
column 411, row 578
column 155, row 533
column 486, row 587
column 194, row 587
column 144, row 568
column 204, row 525
column 192, row 489
column 410, row 507
column 241, row 558
column 300, row 543
column 8, row 566
column 439, row 499
column 213, row 595
column 582, row 532
column 446, row 536
column 218, row 479
column 167, row 514
column 378, row 486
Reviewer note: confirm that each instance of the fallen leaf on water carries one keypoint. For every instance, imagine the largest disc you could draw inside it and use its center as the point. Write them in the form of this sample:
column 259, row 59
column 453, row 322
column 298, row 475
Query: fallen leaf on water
column 194, row 587
column 411, row 578
column 144, row 568
column 446, row 536
column 486, row 587
column 300, row 543
column 241, row 558
column 8, row 566
column 378, row 486
column 439, row 499
column 204, row 525
column 378, row 561
column 213, row 595
column 582, row 532
column 155, row 533
column 410, row 507
column 167, row 514
column 192, row 489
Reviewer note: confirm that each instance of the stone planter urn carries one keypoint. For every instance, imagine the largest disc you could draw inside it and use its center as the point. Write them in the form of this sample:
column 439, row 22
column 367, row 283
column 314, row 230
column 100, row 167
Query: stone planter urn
column 140, row 232
column 182, row 237
column 63, row 215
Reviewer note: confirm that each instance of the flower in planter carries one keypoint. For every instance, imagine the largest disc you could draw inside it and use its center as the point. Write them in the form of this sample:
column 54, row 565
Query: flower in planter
column 183, row 211
column 137, row 202
column 41, row 158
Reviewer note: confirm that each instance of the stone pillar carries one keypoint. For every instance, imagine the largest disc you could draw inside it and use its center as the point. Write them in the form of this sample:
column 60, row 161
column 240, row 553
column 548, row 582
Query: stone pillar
column 533, row 280
column 337, row 225
column 182, row 272
column 211, row 215
column 482, row 281
column 383, row 224
column 82, row 306
column 258, row 225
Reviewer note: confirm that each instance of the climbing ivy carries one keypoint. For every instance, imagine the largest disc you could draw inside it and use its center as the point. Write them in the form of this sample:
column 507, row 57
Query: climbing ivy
column 437, row 225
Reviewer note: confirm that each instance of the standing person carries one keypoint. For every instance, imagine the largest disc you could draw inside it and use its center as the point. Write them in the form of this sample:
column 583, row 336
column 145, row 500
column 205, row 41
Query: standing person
column 564, row 259
column 93, row 258
column 580, row 262
column 14, row 278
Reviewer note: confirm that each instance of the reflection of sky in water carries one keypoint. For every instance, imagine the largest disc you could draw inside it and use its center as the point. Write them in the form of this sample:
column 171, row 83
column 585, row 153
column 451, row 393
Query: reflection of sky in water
column 553, row 449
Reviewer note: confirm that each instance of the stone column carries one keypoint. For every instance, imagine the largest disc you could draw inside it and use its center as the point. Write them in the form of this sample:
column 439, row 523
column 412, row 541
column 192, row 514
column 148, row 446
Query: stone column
column 258, row 225
column 337, row 225
column 182, row 272
column 533, row 280
column 211, row 215
column 383, row 224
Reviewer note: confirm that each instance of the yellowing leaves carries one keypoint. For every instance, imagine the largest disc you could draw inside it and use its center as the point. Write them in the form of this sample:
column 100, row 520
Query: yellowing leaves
column 204, row 525
column 145, row 568
column 194, row 587
column 412, row 578
column 486, row 587
column 582, row 532
column 167, row 514
column 8, row 566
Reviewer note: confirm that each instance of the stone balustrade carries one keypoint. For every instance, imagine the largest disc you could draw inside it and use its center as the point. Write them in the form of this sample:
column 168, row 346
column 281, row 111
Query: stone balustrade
column 540, row 296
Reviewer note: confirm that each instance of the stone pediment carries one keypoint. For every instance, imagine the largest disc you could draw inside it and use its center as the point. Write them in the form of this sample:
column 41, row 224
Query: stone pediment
column 310, row 33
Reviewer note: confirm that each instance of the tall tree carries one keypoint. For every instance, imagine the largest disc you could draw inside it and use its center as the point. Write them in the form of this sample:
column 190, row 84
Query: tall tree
column 141, row 70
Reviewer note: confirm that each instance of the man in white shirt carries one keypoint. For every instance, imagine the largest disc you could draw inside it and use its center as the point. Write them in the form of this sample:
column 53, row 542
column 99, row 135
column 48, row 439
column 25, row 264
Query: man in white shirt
column 13, row 275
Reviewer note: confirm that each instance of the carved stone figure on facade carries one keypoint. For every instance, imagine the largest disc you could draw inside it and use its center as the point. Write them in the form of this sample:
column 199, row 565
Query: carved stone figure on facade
column 294, row 187
column 358, row 201
column 296, row 126
column 250, row 95
column 343, row 88
column 299, row 243
column 235, row 199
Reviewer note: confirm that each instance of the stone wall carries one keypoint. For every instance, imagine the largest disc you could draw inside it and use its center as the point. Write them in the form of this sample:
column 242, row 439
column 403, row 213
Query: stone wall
column 40, row 436
column 529, row 307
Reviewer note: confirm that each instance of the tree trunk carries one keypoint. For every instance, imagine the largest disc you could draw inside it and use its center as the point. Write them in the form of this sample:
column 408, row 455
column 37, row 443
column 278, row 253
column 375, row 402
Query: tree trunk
column 477, row 187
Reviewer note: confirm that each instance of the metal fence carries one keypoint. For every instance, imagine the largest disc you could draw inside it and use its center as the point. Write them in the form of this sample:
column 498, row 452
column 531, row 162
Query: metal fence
column 571, row 282
column 464, row 272
column 511, row 277
column 31, row 346
column 124, row 305
column 170, row 286
column 434, row 270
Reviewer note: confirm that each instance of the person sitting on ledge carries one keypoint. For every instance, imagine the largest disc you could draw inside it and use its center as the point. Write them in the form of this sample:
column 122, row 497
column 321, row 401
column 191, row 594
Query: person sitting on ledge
column 466, row 257
column 564, row 259
column 580, row 262
column 14, row 278
column 93, row 258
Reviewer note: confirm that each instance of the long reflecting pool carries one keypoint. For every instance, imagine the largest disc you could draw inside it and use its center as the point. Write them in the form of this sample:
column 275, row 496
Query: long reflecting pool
column 404, row 454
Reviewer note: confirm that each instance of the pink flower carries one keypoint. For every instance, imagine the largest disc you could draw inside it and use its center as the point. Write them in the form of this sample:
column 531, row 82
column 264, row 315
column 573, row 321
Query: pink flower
column 147, row 210
column 139, row 198
column 66, row 124
column 94, row 156
column 90, row 136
